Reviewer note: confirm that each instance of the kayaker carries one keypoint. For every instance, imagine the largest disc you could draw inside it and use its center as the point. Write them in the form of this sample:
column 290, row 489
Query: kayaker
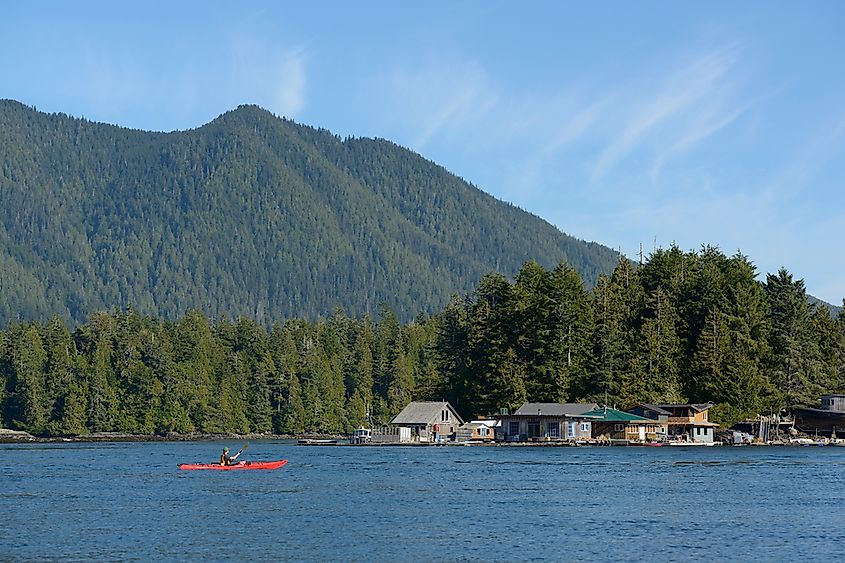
column 225, row 459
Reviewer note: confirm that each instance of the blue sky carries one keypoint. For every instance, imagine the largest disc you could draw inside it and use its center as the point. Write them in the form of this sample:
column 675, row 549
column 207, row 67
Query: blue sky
column 626, row 123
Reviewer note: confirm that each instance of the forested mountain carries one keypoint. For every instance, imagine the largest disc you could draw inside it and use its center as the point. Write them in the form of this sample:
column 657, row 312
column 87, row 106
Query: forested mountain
column 248, row 215
column 259, row 275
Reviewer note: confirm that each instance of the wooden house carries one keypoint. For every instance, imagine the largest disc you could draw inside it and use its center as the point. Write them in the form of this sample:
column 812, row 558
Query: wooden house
column 657, row 414
column 547, row 422
column 829, row 420
column 482, row 430
column 427, row 421
column 684, row 422
column 622, row 427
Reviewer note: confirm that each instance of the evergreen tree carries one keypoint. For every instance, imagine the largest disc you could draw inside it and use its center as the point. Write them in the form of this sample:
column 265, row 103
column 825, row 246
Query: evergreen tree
column 661, row 354
column 570, row 330
column 618, row 369
column 386, row 350
column 452, row 350
column 29, row 361
column 290, row 413
column 401, row 390
column 196, row 357
column 62, row 381
column 826, row 334
column 497, row 378
column 327, row 372
column 840, row 332
column 794, row 358
column 744, row 391
column 6, row 374
column 359, row 377
column 421, row 337
column 102, row 398
column 533, row 304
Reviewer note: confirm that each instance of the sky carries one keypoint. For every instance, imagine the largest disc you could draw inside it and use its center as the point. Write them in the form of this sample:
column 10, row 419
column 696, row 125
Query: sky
column 626, row 123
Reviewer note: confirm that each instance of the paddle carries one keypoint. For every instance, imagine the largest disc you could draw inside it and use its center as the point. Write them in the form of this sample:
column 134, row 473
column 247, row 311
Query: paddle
column 240, row 450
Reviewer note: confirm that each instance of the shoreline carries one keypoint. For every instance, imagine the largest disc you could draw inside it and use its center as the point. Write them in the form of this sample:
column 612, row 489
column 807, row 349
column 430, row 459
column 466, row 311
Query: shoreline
column 20, row 437
column 8, row 436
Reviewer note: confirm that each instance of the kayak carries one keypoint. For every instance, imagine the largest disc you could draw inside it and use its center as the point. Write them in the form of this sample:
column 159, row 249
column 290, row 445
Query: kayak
column 239, row 465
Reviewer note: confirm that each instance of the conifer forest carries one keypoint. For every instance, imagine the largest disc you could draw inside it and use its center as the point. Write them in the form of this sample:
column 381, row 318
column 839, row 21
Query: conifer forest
column 682, row 326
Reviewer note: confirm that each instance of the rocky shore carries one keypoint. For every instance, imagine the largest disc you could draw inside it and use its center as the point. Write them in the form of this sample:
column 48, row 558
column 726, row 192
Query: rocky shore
column 17, row 436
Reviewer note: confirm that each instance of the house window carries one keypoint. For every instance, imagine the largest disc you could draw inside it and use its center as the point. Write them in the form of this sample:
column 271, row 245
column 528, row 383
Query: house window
column 483, row 431
column 585, row 427
column 513, row 428
column 553, row 429
column 447, row 415
column 618, row 427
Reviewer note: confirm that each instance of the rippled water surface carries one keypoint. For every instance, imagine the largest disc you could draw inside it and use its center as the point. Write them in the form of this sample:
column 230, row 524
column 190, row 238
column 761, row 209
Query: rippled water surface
column 128, row 501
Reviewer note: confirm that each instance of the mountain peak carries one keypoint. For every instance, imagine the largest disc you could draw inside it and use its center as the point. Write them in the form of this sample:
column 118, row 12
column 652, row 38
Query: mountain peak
column 264, row 218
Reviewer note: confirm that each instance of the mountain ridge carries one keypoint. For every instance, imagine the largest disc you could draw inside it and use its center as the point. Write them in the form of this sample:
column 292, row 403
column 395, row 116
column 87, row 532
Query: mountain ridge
column 249, row 214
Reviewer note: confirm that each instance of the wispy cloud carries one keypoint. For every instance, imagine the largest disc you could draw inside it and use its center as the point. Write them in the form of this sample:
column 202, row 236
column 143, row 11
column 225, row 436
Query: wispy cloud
column 443, row 96
column 707, row 123
column 812, row 155
column 273, row 78
column 290, row 84
column 694, row 93
column 574, row 124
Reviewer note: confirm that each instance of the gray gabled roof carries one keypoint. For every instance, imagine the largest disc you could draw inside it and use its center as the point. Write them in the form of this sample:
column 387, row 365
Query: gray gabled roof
column 653, row 408
column 695, row 406
column 424, row 412
column 555, row 409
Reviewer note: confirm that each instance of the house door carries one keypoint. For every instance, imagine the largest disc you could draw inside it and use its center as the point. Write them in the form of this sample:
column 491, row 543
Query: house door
column 533, row 429
column 642, row 433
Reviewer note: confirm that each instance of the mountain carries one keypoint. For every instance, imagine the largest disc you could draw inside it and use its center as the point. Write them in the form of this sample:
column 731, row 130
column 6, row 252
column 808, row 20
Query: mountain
column 248, row 215
column 834, row 309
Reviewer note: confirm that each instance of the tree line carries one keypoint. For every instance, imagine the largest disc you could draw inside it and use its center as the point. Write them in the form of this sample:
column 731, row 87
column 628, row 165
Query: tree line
column 682, row 327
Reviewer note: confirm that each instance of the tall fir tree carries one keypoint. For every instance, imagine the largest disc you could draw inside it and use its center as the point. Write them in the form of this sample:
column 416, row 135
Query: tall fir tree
column 29, row 363
column 794, row 360
column 496, row 376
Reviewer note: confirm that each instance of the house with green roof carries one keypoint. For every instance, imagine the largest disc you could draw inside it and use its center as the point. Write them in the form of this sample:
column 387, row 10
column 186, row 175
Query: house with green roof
column 619, row 426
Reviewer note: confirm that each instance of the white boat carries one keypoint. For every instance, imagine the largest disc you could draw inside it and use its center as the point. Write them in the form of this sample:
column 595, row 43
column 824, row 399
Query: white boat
column 687, row 443
column 361, row 436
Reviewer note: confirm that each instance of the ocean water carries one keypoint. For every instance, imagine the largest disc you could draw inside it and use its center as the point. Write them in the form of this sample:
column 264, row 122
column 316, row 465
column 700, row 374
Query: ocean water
column 128, row 501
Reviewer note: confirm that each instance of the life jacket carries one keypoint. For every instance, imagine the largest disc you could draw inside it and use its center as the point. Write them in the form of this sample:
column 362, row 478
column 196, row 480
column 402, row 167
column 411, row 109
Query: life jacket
column 224, row 459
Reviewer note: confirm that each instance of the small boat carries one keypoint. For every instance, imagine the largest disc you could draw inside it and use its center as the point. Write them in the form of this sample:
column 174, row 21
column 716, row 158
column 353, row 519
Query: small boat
column 315, row 442
column 234, row 466
column 690, row 443
column 361, row 436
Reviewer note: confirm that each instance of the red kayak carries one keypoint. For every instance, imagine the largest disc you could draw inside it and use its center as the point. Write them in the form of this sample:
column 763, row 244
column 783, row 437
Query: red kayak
column 239, row 465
